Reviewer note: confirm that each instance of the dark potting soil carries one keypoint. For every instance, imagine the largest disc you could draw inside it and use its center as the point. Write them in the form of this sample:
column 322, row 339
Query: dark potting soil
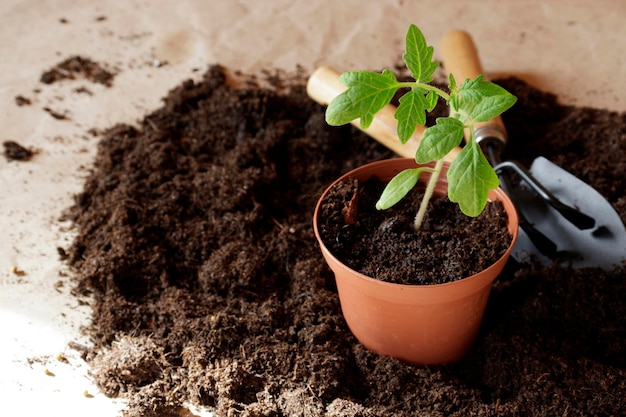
column 382, row 244
column 78, row 67
column 13, row 151
column 195, row 241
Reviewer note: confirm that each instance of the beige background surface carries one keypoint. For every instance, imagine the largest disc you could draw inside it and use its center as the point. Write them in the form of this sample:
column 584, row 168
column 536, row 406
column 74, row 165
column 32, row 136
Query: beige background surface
column 575, row 49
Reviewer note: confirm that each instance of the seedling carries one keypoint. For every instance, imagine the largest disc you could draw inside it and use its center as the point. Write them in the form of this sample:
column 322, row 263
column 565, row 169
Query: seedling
column 470, row 176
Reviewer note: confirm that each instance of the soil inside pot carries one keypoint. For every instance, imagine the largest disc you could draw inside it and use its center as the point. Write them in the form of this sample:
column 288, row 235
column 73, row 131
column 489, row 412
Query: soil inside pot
column 196, row 245
column 384, row 245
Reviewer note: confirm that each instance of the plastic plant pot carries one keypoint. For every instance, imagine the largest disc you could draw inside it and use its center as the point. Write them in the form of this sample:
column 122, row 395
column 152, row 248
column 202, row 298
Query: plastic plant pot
column 420, row 324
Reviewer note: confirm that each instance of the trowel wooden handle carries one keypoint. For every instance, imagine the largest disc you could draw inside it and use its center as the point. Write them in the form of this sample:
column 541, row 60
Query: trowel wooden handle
column 460, row 58
column 324, row 85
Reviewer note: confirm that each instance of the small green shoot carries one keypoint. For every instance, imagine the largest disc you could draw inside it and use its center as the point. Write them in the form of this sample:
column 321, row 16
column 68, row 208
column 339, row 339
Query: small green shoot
column 470, row 176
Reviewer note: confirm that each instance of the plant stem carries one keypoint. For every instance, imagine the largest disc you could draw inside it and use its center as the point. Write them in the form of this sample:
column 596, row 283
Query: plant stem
column 430, row 188
column 427, row 87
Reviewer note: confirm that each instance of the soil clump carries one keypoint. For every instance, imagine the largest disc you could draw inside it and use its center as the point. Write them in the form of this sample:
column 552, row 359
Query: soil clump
column 194, row 240
column 78, row 67
column 13, row 151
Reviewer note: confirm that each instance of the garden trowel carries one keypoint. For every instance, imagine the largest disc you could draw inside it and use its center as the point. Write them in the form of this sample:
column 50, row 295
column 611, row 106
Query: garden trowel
column 562, row 219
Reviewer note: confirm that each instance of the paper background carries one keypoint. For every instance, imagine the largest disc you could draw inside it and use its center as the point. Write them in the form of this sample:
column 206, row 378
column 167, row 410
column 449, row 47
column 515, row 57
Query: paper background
column 574, row 49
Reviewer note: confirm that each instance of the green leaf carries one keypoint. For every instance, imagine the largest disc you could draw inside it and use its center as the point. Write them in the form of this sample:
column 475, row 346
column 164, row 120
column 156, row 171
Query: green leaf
column 470, row 177
column 454, row 100
column 410, row 113
column 452, row 82
column 418, row 56
column 431, row 101
column 482, row 100
column 367, row 93
column 398, row 187
column 490, row 107
column 468, row 95
column 484, row 88
column 438, row 140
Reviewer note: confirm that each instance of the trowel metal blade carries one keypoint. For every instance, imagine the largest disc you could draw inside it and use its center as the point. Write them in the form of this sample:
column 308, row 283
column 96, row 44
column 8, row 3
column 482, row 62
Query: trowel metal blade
column 603, row 246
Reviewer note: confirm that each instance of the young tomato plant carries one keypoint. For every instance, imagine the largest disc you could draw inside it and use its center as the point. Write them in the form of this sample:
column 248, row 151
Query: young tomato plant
column 470, row 176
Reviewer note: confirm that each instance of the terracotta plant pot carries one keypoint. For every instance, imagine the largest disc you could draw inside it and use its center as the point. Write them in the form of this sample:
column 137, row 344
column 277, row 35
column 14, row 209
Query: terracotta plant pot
column 422, row 324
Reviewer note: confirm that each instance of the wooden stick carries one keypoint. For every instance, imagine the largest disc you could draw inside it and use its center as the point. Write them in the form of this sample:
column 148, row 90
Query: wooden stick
column 460, row 58
column 324, row 85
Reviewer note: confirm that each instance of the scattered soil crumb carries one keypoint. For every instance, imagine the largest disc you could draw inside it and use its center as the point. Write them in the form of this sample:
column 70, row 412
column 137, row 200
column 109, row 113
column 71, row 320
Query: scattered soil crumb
column 61, row 358
column 58, row 286
column 16, row 271
column 78, row 67
column 57, row 115
column 85, row 351
column 13, row 151
column 62, row 253
column 22, row 101
column 94, row 132
column 83, row 90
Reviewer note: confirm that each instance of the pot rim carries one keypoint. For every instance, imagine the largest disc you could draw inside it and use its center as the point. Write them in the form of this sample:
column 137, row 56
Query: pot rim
column 496, row 194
